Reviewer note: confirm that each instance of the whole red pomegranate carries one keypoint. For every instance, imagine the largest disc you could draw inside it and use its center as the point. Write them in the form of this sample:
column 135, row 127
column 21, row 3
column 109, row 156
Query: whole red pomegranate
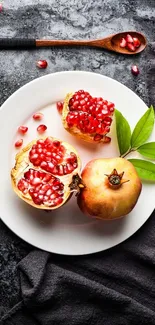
column 46, row 173
column 87, row 117
column 111, row 188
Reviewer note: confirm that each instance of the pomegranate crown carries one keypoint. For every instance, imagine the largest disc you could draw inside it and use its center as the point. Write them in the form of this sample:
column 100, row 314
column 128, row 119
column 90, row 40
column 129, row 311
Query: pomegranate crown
column 116, row 180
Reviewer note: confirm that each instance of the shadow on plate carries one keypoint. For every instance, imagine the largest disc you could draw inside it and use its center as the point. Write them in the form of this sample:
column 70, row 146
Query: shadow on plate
column 70, row 216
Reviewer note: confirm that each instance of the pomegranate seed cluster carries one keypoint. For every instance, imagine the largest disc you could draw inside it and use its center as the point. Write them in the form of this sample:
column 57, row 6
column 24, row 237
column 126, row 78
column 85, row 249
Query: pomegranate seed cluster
column 43, row 188
column 51, row 156
column 90, row 115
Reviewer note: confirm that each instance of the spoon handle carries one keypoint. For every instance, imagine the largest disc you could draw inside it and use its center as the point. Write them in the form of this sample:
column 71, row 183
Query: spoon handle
column 22, row 43
column 97, row 43
column 17, row 43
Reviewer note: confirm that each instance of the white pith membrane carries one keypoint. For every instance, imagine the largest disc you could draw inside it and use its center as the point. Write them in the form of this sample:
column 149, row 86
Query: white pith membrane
column 88, row 118
column 52, row 189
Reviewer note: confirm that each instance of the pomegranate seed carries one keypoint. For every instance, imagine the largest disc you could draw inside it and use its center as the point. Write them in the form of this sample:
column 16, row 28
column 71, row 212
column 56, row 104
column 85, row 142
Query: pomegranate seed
column 98, row 137
column 60, row 170
column 56, row 143
column 22, row 185
column 136, row 42
column 36, row 181
column 22, row 129
column 60, row 107
column 58, row 200
column 38, row 117
column 129, row 38
column 42, row 64
column 18, row 143
column 41, row 128
column 49, row 192
column 123, row 42
column 1, row 7
column 107, row 139
column 107, row 120
column 70, row 168
column 131, row 47
column 135, row 70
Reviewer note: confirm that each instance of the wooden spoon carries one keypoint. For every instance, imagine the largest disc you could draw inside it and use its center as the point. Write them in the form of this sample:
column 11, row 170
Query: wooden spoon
column 111, row 43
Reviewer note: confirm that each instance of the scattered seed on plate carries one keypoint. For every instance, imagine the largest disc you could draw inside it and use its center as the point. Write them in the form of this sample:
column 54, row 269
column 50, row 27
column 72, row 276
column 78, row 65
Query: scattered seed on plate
column 60, row 107
column 18, row 143
column 1, row 7
column 22, row 129
column 38, row 116
column 41, row 128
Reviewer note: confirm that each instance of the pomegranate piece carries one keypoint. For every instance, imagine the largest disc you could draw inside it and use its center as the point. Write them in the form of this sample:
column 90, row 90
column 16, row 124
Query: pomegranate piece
column 136, row 42
column 18, row 143
column 42, row 64
column 129, row 38
column 131, row 47
column 87, row 117
column 22, row 129
column 41, row 128
column 135, row 70
column 123, row 42
column 1, row 7
column 38, row 116
column 38, row 175
column 59, row 107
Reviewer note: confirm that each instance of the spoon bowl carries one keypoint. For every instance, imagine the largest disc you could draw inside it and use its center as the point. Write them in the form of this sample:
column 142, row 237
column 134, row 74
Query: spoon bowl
column 116, row 39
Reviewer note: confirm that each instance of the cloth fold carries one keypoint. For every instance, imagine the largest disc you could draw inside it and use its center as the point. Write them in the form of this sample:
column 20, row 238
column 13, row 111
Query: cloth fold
column 114, row 287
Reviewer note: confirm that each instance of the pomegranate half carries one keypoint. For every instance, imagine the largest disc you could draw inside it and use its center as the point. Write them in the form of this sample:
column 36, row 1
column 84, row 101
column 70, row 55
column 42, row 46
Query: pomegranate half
column 87, row 117
column 46, row 173
column 111, row 188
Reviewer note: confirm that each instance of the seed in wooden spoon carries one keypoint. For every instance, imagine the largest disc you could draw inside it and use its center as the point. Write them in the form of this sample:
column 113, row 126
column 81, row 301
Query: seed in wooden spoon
column 136, row 42
column 123, row 42
column 130, row 47
column 129, row 38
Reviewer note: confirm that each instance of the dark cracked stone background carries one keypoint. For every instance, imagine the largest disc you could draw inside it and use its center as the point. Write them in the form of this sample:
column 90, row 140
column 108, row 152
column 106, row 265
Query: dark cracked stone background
column 65, row 19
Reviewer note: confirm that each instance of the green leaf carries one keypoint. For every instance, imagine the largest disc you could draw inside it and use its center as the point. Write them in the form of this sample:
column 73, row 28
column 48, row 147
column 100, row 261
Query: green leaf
column 145, row 169
column 123, row 132
column 147, row 150
column 143, row 128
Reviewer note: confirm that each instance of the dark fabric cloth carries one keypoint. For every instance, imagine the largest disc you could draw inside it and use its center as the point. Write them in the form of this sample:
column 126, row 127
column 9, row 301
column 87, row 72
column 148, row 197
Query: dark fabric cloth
column 114, row 287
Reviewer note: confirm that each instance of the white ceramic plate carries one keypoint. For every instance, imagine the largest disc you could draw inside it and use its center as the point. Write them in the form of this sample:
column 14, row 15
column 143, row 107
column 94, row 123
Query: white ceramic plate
column 66, row 230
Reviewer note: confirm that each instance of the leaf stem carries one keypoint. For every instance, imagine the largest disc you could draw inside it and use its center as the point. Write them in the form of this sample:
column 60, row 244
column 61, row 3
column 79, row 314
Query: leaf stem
column 127, row 153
